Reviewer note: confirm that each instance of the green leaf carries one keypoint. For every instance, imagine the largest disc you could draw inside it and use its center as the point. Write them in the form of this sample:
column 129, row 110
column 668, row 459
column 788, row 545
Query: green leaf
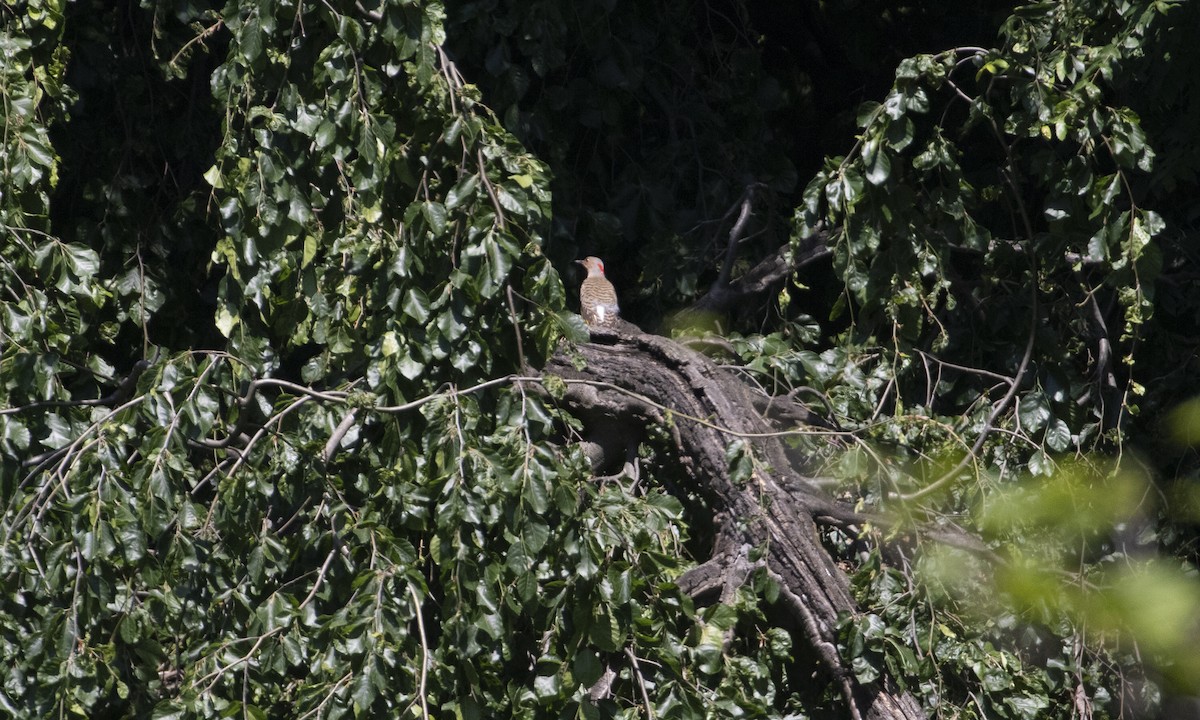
column 900, row 134
column 1097, row 248
column 867, row 112
column 527, row 587
column 83, row 261
column 434, row 214
column 225, row 320
column 996, row 66
column 587, row 668
column 1028, row 707
column 535, row 536
column 410, row 367
column 462, row 191
column 741, row 462
column 1058, row 436
column 363, row 688
column 14, row 435
column 390, row 345
column 880, row 168
column 213, row 177
column 499, row 260
column 546, row 684
column 1034, row 411
column 416, row 304
column 604, row 631
column 168, row 710
column 451, row 327
column 572, row 326
column 852, row 186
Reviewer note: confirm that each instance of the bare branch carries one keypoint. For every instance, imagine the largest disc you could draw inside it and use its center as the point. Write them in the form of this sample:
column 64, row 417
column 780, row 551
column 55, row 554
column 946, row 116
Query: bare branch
column 335, row 439
column 424, row 650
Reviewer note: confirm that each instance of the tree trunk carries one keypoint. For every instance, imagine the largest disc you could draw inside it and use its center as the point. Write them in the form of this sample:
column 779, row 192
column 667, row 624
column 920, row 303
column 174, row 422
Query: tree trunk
column 632, row 378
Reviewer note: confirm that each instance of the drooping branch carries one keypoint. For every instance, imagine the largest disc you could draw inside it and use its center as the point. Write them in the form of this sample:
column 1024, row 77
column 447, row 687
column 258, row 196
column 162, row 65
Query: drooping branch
column 123, row 392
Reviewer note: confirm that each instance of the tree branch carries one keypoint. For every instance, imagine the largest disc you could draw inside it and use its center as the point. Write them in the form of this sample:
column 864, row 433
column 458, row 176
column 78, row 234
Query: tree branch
column 767, row 275
column 773, row 509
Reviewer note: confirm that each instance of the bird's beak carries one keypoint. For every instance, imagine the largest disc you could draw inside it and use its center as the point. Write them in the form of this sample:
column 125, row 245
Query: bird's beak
column 578, row 262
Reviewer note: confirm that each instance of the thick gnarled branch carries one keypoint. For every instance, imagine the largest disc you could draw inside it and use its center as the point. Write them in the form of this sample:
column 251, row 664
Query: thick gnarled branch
column 774, row 509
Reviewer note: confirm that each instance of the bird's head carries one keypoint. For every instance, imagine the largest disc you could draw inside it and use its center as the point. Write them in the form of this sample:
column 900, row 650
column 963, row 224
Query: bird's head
column 593, row 265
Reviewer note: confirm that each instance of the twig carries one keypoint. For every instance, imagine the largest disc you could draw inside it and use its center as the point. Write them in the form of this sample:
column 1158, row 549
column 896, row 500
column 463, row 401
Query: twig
column 1002, row 406
column 60, row 455
column 375, row 15
column 1104, row 371
column 245, row 452
column 637, row 672
column 123, row 392
column 964, row 368
column 491, row 191
column 447, row 68
column 335, row 439
column 199, row 38
column 424, row 651
column 215, row 675
column 391, row 409
column 244, row 403
column 512, row 313
column 1010, row 176
column 735, row 235
column 320, row 577
column 343, row 680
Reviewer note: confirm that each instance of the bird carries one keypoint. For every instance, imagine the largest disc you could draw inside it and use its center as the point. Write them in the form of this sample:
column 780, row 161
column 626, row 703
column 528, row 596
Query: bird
column 597, row 298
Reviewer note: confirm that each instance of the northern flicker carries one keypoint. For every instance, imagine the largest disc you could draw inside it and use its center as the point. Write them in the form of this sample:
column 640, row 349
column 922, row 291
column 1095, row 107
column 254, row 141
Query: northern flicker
column 597, row 298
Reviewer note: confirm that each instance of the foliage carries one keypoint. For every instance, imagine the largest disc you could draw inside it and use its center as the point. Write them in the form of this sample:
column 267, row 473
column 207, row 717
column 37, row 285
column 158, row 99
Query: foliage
column 1040, row 227
column 272, row 271
column 177, row 537
column 263, row 455
column 1004, row 230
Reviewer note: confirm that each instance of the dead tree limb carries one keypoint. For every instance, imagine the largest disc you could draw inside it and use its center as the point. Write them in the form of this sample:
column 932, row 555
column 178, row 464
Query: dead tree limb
column 774, row 510
column 769, row 274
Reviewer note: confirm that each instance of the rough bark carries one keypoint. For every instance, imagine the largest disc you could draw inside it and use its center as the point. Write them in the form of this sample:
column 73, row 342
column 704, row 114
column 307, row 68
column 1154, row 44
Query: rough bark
column 632, row 378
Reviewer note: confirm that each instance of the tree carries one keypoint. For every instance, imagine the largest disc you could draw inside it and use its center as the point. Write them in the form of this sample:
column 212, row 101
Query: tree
column 296, row 421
